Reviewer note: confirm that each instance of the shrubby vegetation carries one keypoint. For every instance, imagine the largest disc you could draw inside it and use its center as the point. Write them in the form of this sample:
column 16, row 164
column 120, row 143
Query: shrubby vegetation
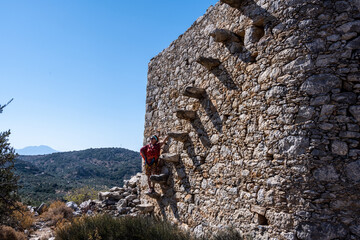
column 8, row 180
column 13, row 215
column 132, row 228
column 8, row 233
column 80, row 195
column 57, row 213
column 49, row 177
column 107, row 227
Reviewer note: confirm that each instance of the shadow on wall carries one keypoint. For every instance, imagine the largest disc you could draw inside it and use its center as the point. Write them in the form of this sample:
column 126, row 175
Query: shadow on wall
column 212, row 112
column 202, row 134
column 253, row 11
column 224, row 76
column 262, row 23
column 169, row 199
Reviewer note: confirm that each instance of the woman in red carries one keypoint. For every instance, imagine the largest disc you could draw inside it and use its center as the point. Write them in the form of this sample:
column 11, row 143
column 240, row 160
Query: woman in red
column 150, row 153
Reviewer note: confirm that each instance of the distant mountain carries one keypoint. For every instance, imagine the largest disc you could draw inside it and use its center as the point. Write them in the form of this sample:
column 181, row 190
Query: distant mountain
column 51, row 176
column 36, row 150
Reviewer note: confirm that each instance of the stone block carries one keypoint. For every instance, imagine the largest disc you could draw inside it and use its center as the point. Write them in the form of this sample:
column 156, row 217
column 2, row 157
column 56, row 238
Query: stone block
column 293, row 145
column 208, row 62
column 179, row 136
column 257, row 209
column 185, row 114
column 354, row 44
column 324, row 230
column 352, row 171
column 233, row 3
column 194, row 92
column 326, row 174
column 355, row 111
column 170, row 157
column 345, row 97
column 253, row 35
column 224, row 35
column 339, row 148
column 320, row 84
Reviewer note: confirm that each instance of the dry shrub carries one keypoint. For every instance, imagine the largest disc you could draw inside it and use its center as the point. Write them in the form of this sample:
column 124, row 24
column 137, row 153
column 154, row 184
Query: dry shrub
column 8, row 233
column 107, row 227
column 23, row 217
column 58, row 212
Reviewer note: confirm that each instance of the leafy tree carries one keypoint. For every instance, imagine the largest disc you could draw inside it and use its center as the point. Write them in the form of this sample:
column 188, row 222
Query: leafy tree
column 8, row 180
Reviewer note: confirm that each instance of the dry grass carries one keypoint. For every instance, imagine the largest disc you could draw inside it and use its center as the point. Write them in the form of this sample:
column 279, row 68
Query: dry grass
column 126, row 228
column 57, row 213
column 8, row 233
column 23, row 217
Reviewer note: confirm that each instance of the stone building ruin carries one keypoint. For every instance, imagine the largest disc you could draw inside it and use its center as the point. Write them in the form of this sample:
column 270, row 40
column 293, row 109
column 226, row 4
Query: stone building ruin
column 261, row 101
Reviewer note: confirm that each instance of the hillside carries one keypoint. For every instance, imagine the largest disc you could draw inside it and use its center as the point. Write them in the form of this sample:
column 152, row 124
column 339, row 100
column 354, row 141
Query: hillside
column 47, row 177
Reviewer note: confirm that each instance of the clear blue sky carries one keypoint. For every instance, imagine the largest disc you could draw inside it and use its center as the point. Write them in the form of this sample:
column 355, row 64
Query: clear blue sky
column 77, row 69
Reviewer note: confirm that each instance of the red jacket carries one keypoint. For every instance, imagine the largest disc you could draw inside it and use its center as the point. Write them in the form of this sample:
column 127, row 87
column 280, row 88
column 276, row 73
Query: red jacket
column 150, row 153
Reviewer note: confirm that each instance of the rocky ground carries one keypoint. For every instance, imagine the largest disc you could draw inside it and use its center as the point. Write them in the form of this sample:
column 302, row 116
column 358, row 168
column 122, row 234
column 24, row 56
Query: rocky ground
column 118, row 202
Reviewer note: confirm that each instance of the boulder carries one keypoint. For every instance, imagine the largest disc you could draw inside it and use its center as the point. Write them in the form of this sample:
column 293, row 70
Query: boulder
column 133, row 181
column 72, row 205
column 117, row 189
column 40, row 208
column 124, row 210
column 109, row 195
column 122, row 203
column 130, row 197
column 145, row 208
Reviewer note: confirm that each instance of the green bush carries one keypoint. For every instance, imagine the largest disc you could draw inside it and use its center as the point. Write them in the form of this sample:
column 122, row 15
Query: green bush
column 106, row 227
column 81, row 195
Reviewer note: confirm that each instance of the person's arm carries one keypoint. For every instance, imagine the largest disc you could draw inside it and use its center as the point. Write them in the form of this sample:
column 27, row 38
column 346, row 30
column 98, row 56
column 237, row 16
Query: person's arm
column 143, row 153
column 164, row 141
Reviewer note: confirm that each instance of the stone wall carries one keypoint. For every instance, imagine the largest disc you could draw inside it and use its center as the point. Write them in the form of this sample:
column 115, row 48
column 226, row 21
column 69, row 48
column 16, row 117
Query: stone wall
column 272, row 146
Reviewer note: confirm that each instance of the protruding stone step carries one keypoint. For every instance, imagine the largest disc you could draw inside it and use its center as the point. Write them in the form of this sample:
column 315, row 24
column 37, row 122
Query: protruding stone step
column 233, row 3
column 194, row 92
column 224, row 35
column 161, row 178
column 179, row 136
column 145, row 208
column 208, row 63
column 170, row 157
column 185, row 114
column 258, row 209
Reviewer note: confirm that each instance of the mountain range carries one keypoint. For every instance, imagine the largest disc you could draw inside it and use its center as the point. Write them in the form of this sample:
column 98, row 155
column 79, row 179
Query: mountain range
column 35, row 150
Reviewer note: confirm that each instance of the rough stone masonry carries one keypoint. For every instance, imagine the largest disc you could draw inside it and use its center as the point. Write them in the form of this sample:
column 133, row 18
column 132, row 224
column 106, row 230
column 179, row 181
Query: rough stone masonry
column 261, row 100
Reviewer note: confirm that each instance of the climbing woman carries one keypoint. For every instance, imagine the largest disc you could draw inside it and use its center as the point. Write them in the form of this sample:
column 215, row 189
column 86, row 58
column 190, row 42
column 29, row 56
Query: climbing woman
column 150, row 153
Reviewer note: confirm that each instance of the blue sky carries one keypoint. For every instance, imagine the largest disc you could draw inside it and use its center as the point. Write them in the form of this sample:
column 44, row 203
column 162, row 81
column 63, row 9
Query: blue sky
column 77, row 69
